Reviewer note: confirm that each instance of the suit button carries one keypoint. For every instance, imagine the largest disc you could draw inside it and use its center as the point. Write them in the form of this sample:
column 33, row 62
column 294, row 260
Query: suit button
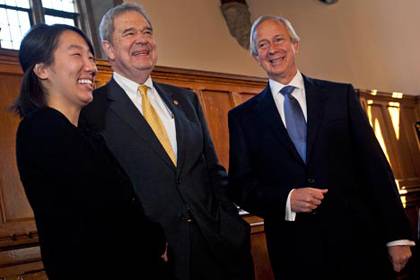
column 187, row 217
column 310, row 180
column 188, row 220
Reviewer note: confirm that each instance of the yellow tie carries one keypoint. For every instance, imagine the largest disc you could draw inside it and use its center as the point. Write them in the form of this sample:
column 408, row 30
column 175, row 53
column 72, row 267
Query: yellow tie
column 155, row 123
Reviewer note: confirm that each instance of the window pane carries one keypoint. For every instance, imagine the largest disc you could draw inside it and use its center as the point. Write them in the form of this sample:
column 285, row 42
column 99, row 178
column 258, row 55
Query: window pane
column 14, row 25
column 16, row 3
column 53, row 20
column 61, row 5
column 47, row 4
column 69, row 6
column 3, row 18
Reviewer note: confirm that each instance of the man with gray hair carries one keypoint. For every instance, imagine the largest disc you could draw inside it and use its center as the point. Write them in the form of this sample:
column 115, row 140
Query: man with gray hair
column 159, row 135
column 304, row 157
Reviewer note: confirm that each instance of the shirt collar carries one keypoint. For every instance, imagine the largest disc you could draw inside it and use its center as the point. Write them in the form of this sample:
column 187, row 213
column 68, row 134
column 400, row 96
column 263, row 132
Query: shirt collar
column 130, row 86
column 297, row 82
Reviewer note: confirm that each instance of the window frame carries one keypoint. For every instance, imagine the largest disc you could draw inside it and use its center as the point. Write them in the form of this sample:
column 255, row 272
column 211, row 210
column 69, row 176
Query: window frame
column 20, row 9
column 37, row 13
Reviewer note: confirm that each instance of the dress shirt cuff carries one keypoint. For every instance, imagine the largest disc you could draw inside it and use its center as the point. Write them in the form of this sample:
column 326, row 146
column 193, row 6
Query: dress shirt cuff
column 402, row 242
column 289, row 216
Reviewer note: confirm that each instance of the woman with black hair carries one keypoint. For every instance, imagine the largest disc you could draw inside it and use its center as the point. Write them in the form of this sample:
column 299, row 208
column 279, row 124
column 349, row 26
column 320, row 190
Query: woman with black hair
column 90, row 223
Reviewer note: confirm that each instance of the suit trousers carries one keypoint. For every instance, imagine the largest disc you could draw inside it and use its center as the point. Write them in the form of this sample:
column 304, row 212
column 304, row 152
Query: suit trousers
column 204, row 266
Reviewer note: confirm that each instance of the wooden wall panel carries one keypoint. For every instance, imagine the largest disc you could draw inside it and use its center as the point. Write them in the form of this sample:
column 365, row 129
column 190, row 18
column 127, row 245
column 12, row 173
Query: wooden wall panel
column 380, row 123
column 216, row 105
column 408, row 120
column 244, row 96
column 16, row 221
column 393, row 119
column 12, row 191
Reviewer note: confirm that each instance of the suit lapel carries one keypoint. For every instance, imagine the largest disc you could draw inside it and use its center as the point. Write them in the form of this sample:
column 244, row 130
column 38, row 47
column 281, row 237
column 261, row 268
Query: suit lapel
column 267, row 110
column 172, row 104
column 315, row 101
column 122, row 106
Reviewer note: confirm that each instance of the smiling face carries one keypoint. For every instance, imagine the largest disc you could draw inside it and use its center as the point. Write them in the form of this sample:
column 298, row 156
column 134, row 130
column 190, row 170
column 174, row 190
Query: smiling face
column 69, row 80
column 132, row 51
column 276, row 53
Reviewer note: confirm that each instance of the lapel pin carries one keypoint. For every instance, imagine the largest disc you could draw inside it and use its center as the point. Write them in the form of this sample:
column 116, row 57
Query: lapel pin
column 176, row 102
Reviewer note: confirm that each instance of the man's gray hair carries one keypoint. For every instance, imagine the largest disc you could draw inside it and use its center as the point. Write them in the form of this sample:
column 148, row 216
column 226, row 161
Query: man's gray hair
column 106, row 27
column 252, row 39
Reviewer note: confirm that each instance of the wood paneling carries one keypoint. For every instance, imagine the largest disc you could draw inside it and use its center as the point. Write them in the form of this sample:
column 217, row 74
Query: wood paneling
column 218, row 93
column 16, row 220
column 393, row 119
column 216, row 105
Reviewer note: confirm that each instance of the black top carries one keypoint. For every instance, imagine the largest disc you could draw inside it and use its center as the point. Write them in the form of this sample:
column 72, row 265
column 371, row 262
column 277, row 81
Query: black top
column 90, row 223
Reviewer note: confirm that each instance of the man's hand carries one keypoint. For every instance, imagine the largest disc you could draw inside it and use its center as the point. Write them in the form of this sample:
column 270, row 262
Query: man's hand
column 306, row 200
column 399, row 256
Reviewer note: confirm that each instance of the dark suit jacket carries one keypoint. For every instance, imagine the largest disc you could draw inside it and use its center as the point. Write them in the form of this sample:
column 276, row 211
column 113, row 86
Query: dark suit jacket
column 361, row 211
column 90, row 223
column 188, row 200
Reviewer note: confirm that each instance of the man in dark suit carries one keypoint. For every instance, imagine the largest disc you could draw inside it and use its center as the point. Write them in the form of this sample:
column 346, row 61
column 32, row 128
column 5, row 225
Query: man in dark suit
column 159, row 135
column 303, row 156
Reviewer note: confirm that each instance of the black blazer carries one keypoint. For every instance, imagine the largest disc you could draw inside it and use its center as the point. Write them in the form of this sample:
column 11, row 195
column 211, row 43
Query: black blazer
column 188, row 200
column 90, row 223
column 362, row 210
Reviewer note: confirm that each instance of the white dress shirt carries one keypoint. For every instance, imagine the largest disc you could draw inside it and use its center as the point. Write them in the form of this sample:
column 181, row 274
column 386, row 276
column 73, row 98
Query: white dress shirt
column 300, row 95
column 166, row 116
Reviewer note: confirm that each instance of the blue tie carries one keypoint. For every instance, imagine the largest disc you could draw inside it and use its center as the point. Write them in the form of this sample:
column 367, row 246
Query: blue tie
column 295, row 121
